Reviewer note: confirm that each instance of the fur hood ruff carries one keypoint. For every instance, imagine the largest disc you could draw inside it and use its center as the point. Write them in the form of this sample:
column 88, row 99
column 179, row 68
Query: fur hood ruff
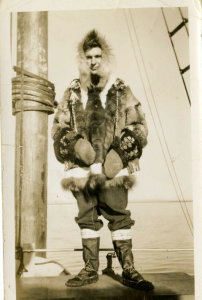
column 106, row 65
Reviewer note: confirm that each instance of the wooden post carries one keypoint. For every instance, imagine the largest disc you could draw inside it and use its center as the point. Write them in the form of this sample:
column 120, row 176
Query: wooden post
column 31, row 136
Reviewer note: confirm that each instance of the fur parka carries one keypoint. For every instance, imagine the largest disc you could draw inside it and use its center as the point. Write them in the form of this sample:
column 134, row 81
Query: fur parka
column 99, row 114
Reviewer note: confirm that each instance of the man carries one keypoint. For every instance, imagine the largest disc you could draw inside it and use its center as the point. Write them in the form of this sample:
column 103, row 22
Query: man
column 99, row 131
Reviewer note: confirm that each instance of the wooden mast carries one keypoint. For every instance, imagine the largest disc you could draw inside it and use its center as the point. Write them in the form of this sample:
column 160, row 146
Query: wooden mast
column 31, row 136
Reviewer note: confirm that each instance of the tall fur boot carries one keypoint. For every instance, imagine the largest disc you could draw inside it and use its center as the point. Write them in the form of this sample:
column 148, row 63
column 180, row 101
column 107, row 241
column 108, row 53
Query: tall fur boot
column 89, row 273
column 131, row 277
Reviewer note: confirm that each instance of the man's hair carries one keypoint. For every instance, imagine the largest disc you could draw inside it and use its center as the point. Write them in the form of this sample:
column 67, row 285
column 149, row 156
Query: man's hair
column 91, row 41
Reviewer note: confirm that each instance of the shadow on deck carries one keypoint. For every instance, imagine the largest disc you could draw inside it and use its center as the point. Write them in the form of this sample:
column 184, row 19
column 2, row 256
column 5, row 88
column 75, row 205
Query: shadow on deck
column 167, row 286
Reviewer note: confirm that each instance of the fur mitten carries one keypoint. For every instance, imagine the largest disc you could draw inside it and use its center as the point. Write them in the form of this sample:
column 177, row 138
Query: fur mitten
column 127, row 149
column 130, row 145
column 113, row 164
column 136, row 122
column 70, row 146
column 84, row 151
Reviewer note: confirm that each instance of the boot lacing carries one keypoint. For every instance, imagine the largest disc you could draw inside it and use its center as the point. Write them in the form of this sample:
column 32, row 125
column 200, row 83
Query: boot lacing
column 130, row 269
column 88, row 267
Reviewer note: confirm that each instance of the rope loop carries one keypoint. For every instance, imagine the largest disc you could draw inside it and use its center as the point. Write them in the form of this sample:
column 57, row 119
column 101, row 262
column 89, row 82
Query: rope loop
column 30, row 87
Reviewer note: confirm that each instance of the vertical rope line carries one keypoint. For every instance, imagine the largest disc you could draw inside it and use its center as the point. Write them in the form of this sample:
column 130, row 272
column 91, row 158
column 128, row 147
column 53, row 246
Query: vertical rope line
column 21, row 127
column 183, row 20
column 46, row 189
column 117, row 114
column 176, row 58
column 161, row 123
column 162, row 127
column 72, row 111
column 155, row 122
column 11, row 31
column 74, row 118
column 92, row 212
column 46, row 167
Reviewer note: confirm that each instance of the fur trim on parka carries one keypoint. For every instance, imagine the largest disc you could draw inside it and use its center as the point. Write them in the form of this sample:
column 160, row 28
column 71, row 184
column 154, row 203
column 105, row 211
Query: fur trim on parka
column 78, row 184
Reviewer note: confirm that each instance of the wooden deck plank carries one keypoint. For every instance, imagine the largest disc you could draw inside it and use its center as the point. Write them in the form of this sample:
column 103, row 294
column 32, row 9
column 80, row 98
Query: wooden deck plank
column 167, row 286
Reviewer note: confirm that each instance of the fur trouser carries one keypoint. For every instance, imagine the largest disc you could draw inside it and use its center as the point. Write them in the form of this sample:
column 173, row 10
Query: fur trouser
column 110, row 203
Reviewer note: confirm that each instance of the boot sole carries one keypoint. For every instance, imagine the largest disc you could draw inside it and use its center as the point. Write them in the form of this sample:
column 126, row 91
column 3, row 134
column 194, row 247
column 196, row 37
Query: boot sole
column 94, row 279
column 144, row 285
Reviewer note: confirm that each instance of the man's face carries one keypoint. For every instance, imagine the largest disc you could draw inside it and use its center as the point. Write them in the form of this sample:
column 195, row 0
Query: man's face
column 94, row 57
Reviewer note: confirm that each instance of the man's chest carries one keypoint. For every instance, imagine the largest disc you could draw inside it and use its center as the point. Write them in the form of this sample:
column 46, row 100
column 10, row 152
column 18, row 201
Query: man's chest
column 95, row 102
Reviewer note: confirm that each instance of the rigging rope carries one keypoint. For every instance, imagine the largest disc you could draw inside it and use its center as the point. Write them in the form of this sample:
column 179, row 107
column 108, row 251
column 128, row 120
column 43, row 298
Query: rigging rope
column 20, row 253
column 183, row 20
column 161, row 125
column 65, row 271
column 190, row 226
column 21, row 128
column 111, row 249
column 34, row 88
column 176, row 58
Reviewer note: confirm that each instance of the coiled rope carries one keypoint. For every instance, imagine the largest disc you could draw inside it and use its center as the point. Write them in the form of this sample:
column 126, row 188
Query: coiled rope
column 34, row 88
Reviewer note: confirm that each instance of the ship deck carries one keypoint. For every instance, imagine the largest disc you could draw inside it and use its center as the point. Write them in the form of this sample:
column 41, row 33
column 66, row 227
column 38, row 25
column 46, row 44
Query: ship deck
column 109, row 287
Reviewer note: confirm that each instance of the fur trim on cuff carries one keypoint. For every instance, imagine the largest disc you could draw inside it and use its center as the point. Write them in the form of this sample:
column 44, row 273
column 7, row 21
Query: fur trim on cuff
column 74, row 184
column 129, row 182
column 88, row 183
column 79, row 179
column 75, row 179
column 95, row 181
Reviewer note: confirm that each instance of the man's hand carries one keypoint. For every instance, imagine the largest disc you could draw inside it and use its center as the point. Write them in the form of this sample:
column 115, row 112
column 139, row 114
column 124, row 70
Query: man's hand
column 133, row 166
column 68, row 165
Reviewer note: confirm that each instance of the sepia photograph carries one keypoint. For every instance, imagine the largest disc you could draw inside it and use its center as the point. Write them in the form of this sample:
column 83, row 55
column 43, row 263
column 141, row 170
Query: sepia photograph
column 98, row 182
